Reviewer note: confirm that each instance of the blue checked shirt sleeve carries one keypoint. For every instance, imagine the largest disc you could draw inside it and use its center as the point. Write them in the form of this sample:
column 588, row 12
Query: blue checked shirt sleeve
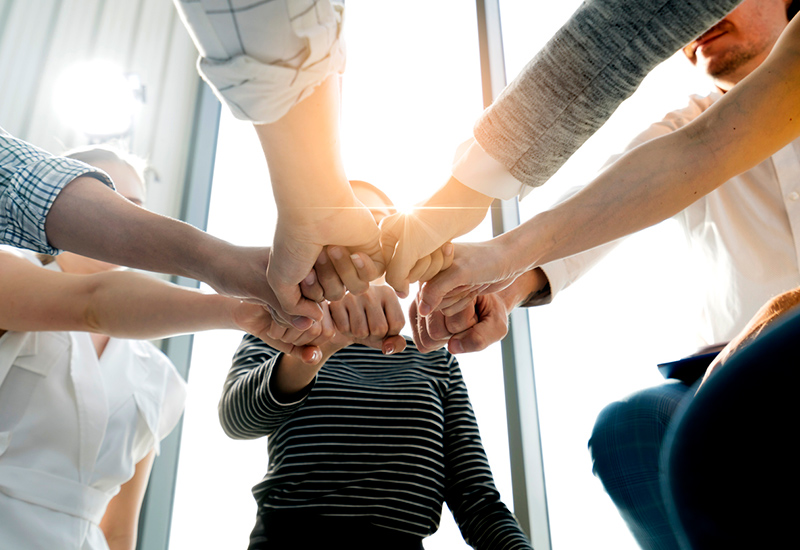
column 30, row 180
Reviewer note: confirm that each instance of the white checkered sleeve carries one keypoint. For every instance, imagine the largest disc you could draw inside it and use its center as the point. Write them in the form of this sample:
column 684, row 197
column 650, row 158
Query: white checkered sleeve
column 30, row 180
column 263, row 57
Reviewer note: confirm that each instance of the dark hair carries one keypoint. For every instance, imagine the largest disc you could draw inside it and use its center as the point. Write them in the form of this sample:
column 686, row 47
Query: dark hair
column 794, row 7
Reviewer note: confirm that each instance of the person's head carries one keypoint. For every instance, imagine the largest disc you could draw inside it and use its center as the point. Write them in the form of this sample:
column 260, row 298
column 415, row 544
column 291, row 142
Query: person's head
column 374, row 199
column 127, row 173
column 737, row 45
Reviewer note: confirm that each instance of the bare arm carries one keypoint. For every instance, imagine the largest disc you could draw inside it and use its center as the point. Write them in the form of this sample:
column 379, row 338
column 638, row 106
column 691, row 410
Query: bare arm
column 316, row 205
column 120, row 523
column 90, row 219
column 123, row 304
column 652, row 182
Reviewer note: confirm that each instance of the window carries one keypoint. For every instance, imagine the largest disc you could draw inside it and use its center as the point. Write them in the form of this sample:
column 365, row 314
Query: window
column 409, row 98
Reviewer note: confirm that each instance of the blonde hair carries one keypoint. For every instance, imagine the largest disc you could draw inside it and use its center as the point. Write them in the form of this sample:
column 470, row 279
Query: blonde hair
column 93, row 154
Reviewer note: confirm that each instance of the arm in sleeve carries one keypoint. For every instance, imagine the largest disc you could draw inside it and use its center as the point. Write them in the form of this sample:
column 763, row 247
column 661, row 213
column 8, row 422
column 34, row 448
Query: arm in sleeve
column 30, row 180
column 471, row 495
column 248, row 408
column 262, row 58
column 574, row 84
column 562, row 273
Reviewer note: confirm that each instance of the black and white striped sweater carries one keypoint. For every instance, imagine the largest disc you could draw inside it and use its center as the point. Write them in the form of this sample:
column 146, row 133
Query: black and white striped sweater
column 385, row 438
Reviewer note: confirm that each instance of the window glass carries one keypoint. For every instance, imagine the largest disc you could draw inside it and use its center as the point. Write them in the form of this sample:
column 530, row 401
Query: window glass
column 411, row 93
column 602, row 337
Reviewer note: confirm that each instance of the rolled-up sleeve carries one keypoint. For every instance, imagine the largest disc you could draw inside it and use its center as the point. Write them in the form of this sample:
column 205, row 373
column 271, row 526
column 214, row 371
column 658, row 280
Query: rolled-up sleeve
column 30, row 181
column 263, row 57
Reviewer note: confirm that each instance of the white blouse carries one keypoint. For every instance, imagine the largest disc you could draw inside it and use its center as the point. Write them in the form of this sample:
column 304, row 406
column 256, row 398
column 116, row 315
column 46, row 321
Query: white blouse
column 72, row 429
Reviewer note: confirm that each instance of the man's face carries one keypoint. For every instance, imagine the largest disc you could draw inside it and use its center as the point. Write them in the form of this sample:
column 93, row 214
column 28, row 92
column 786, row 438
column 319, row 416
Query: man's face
column 734, row 47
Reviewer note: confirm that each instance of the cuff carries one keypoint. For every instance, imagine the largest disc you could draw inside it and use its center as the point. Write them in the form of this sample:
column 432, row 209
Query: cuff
column 31, row 195
column 254, row 82
column 297, row 399
column 558, row 278
column 477, row 170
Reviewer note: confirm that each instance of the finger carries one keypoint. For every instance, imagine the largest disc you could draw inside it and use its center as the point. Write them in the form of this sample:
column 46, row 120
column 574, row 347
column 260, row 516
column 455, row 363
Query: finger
column 459, row 306
column 287, row 290
column 310, row 355
column 347, row 270
column 393, row 312
column 359, row 326
column 332, row 285
column 307, row 354
column 393, row 344
column 438, row 260
column 417, row 329
column 422, row 266
column 327, row 327
column 311, row 288
column 340, row 316
column 436, row 327
column 376, row 319
column 461, row 321
column 448, row 254
column 491, row 328
column 401, row 258
column 425, row 343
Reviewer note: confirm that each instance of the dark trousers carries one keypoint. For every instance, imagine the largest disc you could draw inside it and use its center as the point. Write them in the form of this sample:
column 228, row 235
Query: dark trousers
column 730, row 456
column 299, row 531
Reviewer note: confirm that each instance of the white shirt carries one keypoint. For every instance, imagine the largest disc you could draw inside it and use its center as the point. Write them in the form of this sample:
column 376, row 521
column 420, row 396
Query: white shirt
column 72, row 428
column 745, row 235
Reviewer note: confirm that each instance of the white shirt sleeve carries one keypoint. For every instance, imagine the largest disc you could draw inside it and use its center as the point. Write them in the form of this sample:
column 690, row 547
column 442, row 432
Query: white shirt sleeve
column 474, row 168
column 262, row 58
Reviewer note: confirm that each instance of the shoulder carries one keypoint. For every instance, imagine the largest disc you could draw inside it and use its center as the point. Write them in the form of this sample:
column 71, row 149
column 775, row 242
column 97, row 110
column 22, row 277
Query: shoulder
column 697, row 106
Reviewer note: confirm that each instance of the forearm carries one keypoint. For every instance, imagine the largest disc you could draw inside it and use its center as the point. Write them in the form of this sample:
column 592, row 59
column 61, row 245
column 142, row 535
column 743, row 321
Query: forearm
column 594, row 62
column 89, row 219
column 133, row 305
column 290, row 376
column 303, row 154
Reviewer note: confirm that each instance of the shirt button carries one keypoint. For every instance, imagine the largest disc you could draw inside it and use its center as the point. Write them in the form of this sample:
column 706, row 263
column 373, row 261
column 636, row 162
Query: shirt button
column 793, row 196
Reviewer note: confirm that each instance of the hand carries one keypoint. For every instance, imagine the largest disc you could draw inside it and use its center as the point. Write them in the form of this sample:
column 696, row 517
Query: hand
column 373, row 319
column 299, row 240
column 335, row 265
column 302, row 345
column 409, row 240
column 471, row 329
column 478, row 268
column 481, row 324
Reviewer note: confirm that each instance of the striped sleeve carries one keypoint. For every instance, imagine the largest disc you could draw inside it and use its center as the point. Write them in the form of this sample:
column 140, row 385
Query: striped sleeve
column 247, row 408
column 471, row 495
column 30, row 180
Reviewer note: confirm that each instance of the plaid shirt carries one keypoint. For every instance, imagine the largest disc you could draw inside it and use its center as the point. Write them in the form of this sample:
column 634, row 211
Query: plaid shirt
column 261, row 58
column 30, row 180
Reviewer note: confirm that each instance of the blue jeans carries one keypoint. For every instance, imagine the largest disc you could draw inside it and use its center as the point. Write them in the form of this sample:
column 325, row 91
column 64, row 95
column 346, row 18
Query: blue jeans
column 626, row 447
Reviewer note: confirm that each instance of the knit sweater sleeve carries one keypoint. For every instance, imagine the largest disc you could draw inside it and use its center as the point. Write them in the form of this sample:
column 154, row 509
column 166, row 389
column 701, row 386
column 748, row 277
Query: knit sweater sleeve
column 470, row 493
column 247, row 408
column 574, row 84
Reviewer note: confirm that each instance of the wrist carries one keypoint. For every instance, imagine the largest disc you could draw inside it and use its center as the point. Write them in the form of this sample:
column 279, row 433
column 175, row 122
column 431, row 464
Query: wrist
column 454, row 193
